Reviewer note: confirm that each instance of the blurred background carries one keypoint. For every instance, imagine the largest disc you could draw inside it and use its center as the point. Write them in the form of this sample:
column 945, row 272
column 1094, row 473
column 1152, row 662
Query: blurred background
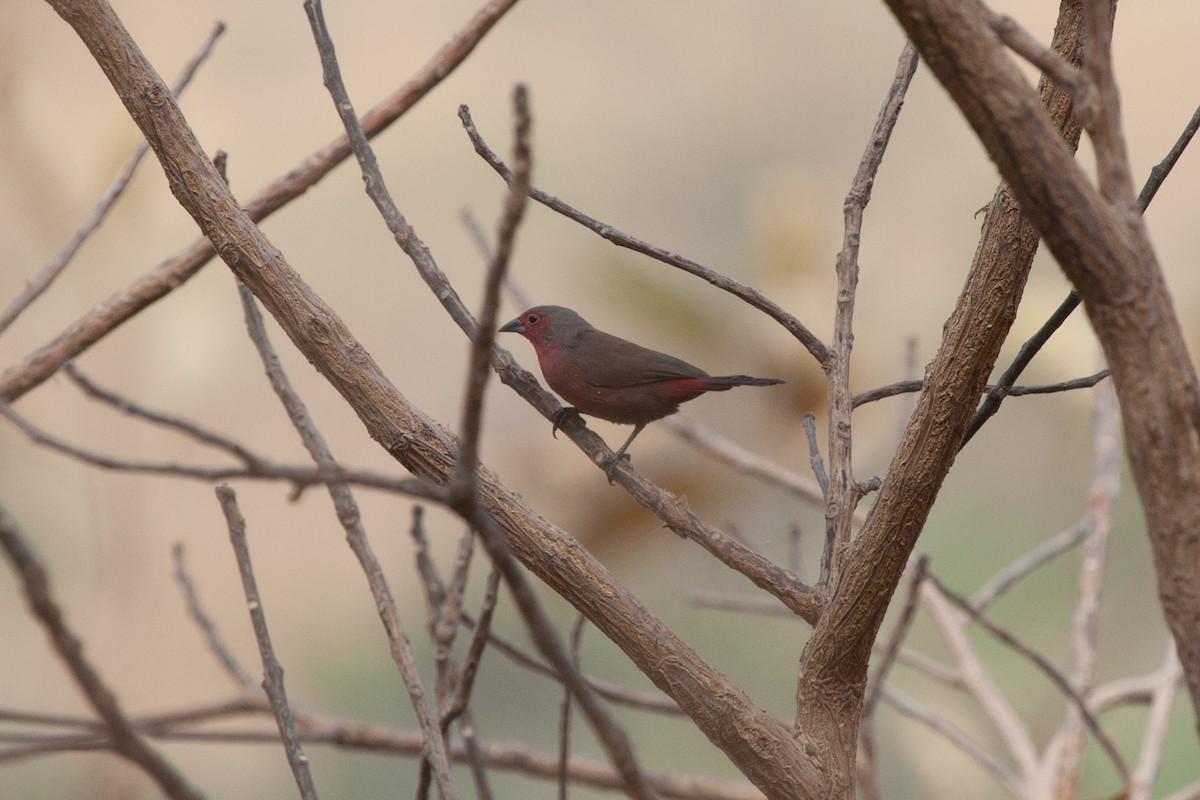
column 725, row 132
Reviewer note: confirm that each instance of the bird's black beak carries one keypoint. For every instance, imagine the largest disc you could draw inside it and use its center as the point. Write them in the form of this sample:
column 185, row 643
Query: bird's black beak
column 513, row 326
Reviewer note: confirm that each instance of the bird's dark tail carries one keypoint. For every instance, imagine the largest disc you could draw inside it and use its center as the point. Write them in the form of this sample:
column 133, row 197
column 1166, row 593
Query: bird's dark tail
column 719, row 383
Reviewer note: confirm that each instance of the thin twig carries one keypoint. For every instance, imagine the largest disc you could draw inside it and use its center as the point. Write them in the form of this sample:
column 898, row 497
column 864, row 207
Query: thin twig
column 124, row 737
column 474, row 756
column 1005, row 387
column 747, row 293
column 1162, row 169
column 612, row 736
column 746, row 461
column 999, row 711
column 170, row 421
column 474, row 656
column 1102, row 118
column 463, row 483
column 564, row 719
column 351, row 735
column 957, row 737
column 1071, row 736
column 644, row 701
column 518, row 296
column 350, row 518
column 842, row 491
column 208, row 630
column 47, row 275
column 272, row 682
column 743, row 603
column 299, row 476
column 1001, row 389
column 110, row 313
column 891, row 646
column 1049, row 670
column 1021, row 566
column 1164, row 684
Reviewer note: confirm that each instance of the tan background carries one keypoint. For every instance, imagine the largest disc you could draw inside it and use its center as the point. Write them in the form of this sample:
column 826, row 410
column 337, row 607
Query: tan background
column 727, row 132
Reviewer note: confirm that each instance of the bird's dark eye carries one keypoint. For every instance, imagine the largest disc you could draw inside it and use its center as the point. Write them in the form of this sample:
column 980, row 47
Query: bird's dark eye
column 532, row 319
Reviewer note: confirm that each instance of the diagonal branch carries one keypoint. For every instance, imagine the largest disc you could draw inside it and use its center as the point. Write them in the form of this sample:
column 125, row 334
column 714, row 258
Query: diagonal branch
column 125, row 738
column 761, row 748
column 749, row 294
column 47, row 274
column 152, row 286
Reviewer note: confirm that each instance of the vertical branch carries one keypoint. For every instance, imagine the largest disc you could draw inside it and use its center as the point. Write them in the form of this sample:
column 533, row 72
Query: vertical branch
column 564, row 718
column 462, row 483
column 1105, row 480
column 844, row 490
column 125, row 739
column 272, row 682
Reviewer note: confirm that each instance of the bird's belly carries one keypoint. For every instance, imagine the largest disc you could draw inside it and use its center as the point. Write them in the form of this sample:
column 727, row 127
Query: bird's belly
column 627, row 405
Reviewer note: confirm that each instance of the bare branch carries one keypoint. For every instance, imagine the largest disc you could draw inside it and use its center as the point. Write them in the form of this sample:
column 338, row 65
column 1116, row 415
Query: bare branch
column 611, row 736
column 170, row 421
column 208, row 629
column 746, row 293
column 272, row 670
column 1164, row 683
column 355, row 736
column 261, row 470
column 1162, row 169
column 108, row 314
column 957, row 737
column 843, row 492
column 1049, row 670
column 356, row 536
column 1047, row 59
column 745, row 461
column 125, row 739
column 47, row 275
column 462, row 485
column 1013, row 733
column 1021, row 566
column 1106, row 467
column 866, row 762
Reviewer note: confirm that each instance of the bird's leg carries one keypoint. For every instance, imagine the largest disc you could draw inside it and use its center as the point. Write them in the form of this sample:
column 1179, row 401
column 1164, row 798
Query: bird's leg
column 562, row 415
column 610, row 464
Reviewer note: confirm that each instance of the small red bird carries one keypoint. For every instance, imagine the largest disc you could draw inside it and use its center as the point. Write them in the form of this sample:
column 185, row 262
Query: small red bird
column 604, row 376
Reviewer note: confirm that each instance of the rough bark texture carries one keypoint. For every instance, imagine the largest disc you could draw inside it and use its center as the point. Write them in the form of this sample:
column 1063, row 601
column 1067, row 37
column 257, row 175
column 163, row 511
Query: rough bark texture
column 1103, row 248
column 834, row 662
column 758, row 744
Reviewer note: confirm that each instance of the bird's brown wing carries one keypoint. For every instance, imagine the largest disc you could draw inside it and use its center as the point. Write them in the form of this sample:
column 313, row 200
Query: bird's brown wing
column 610, row 361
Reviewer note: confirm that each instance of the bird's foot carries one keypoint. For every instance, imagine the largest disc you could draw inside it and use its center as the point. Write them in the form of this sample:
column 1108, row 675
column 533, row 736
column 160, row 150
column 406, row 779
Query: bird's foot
column 562, row 415
column 610, row 464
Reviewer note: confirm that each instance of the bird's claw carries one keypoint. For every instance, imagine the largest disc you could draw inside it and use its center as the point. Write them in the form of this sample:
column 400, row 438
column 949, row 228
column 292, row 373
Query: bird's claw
column 562, row 415
column 610, row 464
